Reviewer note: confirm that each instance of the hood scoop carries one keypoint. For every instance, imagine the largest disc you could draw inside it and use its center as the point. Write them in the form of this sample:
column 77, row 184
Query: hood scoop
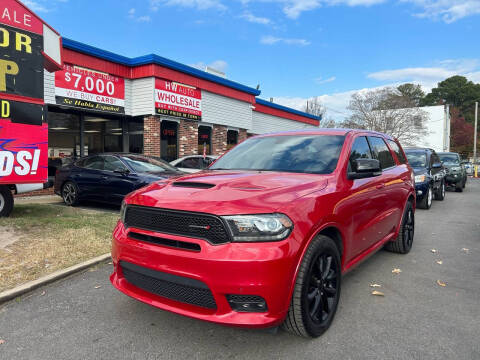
column 193, row 184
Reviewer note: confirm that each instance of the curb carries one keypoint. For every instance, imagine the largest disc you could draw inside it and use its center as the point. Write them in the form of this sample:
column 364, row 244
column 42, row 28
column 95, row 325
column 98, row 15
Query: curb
column 47, row 279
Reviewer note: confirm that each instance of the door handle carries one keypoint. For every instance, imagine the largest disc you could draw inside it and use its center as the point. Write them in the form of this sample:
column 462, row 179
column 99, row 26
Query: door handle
column 104, row 177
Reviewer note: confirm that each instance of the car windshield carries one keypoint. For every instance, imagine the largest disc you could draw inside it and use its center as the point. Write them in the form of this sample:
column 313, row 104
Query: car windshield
column 314, row 154
column 449, row 159
column 417, row 158
column 142, row 164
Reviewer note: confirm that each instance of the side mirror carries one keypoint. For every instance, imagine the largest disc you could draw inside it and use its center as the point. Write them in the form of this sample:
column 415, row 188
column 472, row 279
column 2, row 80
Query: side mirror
column 121, row 171
column 437, row 165
column 365, row 168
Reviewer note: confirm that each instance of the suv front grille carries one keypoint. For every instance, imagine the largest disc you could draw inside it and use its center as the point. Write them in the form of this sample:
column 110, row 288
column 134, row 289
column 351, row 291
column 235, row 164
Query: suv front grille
column 190, row 224
column 178, row 288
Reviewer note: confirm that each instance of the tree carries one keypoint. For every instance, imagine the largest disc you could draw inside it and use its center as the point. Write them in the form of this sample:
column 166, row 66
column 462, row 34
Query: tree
column 385, row 110
column 412, row 92
column 316, row 108
column 458, row 92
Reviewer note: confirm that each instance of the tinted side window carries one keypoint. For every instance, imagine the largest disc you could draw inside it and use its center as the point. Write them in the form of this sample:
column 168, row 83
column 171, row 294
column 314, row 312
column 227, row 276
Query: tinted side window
column 381, row 152
column 360, row 150
column 95, row 163
column 397, row 151
column 112, row 163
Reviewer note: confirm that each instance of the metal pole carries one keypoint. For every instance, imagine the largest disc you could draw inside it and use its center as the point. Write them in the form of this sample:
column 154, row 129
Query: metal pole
column 475, row 134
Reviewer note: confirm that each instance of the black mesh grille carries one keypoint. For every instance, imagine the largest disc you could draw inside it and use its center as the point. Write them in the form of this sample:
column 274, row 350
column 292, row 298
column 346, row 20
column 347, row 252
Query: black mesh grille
column 245, row 298
column 172, row 287
column 196, row 225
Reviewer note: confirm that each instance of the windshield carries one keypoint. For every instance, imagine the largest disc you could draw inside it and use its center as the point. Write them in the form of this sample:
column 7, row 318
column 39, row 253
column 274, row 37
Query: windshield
column 314, row 154
column 142, row 164
column 417, row 159
column 449, row 159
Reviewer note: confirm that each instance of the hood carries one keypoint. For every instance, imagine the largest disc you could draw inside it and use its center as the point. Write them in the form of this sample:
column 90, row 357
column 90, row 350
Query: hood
column 419, row 170
column 229, row 192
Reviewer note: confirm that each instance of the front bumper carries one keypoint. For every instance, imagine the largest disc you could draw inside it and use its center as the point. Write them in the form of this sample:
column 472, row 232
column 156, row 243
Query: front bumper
column 258, row 269
column 453, row 178
column 421, row 189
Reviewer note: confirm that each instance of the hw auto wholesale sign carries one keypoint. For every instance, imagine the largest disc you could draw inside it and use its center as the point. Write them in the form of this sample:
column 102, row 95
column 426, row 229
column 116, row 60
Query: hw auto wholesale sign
column 23, row 134
column 89, row 89
column 178, row 100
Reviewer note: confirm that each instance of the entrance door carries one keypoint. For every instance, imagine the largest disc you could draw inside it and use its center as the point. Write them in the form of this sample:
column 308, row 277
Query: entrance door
column 169, row 140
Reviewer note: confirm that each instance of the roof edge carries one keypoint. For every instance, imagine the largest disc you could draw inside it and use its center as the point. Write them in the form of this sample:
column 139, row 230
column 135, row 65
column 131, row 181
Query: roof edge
column 155, row 59
column 287, row 109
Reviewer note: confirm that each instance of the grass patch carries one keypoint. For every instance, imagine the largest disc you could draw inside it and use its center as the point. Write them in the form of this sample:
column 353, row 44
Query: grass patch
column 38, row 239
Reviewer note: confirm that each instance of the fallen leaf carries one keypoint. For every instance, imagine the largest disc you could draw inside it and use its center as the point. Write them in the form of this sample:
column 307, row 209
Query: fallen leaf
column 43, row 293
column 441, row 283
column 377, row 293
column 396, row 271
column 375, row 285
column 465, row 250
column 439, row 262
column 2, row 341
column 98, row 286
column 110, row 263
column 433, row 250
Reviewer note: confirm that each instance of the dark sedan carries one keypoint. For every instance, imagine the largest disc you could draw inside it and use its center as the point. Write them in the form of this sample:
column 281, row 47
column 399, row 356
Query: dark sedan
column 108, row 178
column 429, row 175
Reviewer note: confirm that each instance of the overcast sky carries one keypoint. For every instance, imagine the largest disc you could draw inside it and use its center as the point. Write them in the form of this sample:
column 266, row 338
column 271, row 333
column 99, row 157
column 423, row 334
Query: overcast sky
column 295, row 49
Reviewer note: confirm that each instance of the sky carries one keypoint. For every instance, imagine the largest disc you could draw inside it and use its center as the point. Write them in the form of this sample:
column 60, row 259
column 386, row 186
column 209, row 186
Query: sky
column 294, row 49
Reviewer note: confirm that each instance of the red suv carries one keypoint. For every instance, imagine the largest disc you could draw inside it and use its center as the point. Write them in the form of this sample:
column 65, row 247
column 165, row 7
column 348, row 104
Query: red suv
column 264, row 235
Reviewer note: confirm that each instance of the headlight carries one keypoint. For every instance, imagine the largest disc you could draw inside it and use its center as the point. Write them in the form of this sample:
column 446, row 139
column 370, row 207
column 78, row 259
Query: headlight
column 420, row 178
column 123, row 210
column 262, row 227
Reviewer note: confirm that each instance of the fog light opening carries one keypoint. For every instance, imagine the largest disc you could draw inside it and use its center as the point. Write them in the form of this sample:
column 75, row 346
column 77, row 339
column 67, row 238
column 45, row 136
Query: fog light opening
column 247, row 303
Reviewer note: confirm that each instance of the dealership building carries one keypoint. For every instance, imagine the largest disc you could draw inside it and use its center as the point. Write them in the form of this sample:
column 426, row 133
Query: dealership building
column 104, row 102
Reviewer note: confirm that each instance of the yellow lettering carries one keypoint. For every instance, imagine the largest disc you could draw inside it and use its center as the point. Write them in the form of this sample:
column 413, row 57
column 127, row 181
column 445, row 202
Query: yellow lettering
column 23, row 40
column 5, row 109
column 5, row 38
column 7, row 67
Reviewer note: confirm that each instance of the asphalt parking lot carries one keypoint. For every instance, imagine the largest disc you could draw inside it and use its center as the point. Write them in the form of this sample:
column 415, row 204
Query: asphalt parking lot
column 84, row 317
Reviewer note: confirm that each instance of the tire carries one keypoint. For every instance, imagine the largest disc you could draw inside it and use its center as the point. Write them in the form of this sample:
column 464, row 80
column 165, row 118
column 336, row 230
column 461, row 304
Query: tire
column 440, row 194
column 465, row 182
column 426, row 202
column 70, row 193
column 404, row 241
column 317, row 290
column 458, row 187
column 6, row 201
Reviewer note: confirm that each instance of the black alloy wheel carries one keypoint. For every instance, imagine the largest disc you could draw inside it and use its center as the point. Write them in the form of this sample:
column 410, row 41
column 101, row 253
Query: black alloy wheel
column 322, row 291
column 317, row 289
column 70, row 193
column 404, row 241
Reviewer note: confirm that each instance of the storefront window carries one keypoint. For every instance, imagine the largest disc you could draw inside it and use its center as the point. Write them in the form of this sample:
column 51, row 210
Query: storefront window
column 232, row 138
column 63, row 139
column 135, row 135
column 103, row 135
column 204, row 140
column 169, row 140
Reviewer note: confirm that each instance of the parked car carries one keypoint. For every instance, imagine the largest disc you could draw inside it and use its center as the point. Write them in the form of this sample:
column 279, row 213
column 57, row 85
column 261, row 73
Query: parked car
column 429, row 175
column 456, row 174
column 194, row 163
column 264, row 235
column 468, row 167
column 109, row 177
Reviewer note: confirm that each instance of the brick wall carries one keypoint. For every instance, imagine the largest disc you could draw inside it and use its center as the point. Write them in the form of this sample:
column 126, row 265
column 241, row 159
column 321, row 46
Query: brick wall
column 151, row 136
column 48, row 191
column 187, row 138
column 242, row 135
column 219, row 140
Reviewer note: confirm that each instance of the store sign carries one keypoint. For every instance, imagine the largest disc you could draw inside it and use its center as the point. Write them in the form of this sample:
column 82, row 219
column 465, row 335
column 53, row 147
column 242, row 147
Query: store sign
column 89, row 89
column 177, row 100
column 23, row 56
